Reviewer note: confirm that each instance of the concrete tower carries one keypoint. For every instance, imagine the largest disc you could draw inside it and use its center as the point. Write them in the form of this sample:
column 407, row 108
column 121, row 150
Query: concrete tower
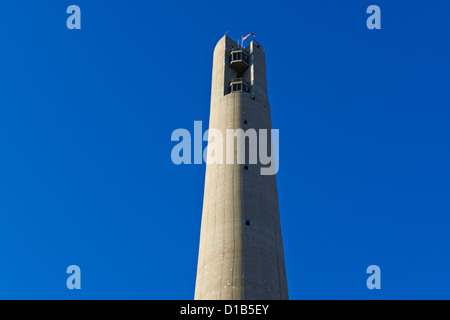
column 241, row 250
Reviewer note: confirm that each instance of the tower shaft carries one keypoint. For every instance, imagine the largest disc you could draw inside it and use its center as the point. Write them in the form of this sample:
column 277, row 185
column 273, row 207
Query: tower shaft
column 241, row 251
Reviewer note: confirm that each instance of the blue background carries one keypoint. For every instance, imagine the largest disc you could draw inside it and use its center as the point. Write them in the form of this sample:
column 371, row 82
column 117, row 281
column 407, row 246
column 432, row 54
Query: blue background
column 86, row 117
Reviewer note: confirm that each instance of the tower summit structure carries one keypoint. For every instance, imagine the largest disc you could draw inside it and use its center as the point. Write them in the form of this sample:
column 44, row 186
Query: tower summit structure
column 241, row 250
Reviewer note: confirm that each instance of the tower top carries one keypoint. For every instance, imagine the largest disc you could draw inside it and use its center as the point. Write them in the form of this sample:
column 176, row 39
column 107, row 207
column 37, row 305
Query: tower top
column 240, row 42
column 239, row 69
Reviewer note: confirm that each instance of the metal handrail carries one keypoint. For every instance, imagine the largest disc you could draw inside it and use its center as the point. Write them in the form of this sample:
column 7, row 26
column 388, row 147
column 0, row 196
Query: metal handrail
column 240, row 49
column 239, row 80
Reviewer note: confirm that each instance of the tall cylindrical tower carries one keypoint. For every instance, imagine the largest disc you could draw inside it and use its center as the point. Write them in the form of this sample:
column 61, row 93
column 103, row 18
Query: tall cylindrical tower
column 241, row 251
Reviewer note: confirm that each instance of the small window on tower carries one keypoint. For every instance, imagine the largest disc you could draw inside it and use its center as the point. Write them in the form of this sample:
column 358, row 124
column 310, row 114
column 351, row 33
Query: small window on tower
column 248, row 222
column 246, row 168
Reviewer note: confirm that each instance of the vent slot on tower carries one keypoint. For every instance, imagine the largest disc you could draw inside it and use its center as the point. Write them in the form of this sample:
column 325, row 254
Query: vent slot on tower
column 239, row 61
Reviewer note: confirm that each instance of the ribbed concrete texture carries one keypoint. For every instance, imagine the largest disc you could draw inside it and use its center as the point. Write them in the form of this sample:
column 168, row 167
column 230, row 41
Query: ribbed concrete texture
column 241, row 251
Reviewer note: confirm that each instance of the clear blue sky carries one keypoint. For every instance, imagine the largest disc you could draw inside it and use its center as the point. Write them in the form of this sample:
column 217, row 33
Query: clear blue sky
column 86, row 117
